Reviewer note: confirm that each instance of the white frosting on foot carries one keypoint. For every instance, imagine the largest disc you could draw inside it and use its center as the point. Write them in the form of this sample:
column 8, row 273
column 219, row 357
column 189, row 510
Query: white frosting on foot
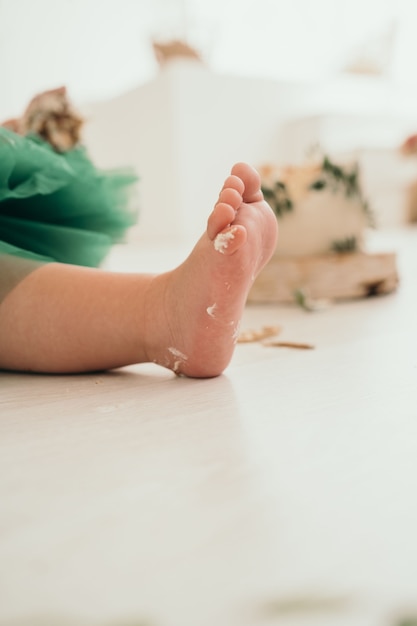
column 221, row 242
column 236, row 332
column 180, row 356
column 210, row 310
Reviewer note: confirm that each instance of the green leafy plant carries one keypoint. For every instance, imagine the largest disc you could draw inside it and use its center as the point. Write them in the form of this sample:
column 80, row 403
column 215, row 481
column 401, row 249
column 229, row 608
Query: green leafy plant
column 308, row 304
column 278, row 198
column 347, row 181
column 318, row 185
column 342, row 246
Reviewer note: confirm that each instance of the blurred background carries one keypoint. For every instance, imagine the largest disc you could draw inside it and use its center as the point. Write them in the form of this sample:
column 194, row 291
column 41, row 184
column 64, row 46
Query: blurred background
column 276, row 78
column 99, row 48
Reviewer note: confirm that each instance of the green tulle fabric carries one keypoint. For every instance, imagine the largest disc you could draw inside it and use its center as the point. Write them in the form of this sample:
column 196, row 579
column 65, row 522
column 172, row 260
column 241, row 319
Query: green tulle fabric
column 59, row 206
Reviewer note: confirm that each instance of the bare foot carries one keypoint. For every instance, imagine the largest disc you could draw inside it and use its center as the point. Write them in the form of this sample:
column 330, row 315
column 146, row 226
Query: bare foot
column 194, row 312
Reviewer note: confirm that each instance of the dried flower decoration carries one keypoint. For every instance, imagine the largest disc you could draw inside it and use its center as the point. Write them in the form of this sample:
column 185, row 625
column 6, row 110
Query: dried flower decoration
column 409, row 147
column 51, row 116
column 166, row 51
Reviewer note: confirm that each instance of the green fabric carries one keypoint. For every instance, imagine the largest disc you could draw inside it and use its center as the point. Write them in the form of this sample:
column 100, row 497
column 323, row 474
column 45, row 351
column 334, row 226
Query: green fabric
column 59, row 207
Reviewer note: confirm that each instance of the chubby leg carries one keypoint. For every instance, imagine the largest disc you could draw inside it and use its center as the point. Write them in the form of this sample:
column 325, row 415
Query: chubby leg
column 64, row 318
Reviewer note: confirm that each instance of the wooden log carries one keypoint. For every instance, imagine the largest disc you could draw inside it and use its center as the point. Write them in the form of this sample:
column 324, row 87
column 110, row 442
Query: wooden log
column 330, row 276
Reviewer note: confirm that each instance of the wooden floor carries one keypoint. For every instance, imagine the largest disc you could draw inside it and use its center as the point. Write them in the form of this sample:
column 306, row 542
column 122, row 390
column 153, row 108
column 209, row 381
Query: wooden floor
column 281, row 493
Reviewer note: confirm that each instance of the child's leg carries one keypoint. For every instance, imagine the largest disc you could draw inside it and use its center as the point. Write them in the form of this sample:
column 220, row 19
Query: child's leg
column 64, row 318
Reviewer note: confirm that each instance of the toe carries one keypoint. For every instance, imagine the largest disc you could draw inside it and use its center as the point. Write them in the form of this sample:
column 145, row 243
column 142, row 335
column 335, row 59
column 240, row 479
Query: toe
column 234, row 182
column 230, row 239
column 251, row 180
column 222, row 215
column 232, row 197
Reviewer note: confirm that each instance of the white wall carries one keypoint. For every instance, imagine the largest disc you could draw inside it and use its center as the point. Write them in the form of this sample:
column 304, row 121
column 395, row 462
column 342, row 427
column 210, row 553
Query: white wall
column 100, row 48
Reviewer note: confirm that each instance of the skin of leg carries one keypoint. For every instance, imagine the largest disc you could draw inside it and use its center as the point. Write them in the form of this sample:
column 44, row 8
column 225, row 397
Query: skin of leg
column 65, row 318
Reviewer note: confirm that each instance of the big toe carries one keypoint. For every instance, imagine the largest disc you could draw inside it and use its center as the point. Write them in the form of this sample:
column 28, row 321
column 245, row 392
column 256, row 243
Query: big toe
column 252, row 181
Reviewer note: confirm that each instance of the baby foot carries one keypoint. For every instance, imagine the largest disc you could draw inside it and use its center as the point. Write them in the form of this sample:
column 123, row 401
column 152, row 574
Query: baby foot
column 193, row 313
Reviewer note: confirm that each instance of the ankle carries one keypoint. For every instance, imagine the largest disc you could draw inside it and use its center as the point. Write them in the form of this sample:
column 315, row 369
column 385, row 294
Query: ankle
column 155, row 319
